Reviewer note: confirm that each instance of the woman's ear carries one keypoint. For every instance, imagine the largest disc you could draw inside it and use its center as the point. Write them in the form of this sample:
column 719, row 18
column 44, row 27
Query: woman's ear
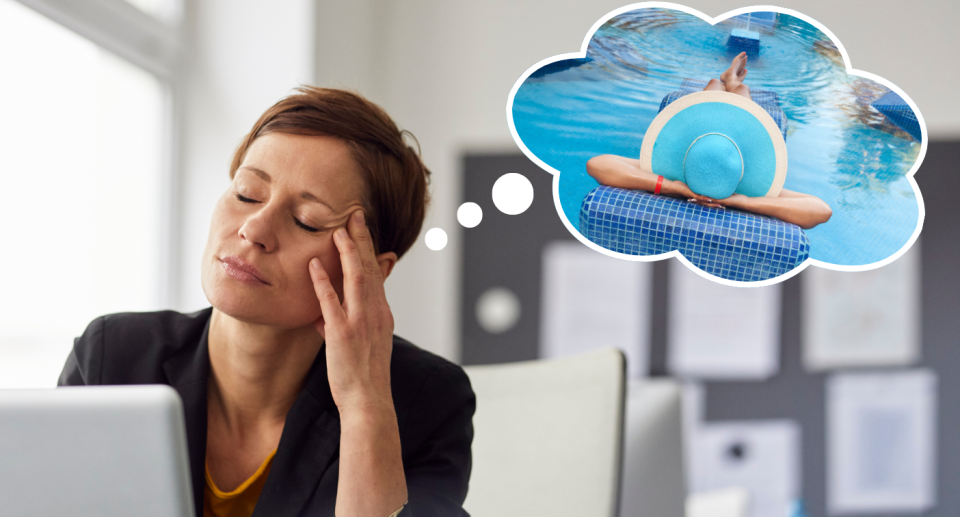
column 386, row 261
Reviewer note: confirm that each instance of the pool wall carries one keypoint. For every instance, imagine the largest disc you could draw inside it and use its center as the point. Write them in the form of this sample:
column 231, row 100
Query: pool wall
column 725, row 243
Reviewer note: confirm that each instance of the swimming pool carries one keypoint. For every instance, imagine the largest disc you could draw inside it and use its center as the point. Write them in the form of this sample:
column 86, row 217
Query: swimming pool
column 839, row 148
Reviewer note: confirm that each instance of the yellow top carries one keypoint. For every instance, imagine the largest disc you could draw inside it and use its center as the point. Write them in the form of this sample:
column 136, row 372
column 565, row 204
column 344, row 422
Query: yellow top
column 241, row 501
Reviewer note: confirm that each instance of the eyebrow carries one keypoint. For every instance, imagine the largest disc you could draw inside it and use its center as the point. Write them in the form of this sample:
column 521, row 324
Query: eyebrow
column 303, row 195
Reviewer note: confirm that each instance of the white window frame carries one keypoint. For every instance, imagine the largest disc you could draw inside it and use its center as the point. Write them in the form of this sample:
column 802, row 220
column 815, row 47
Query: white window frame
column 154, row 45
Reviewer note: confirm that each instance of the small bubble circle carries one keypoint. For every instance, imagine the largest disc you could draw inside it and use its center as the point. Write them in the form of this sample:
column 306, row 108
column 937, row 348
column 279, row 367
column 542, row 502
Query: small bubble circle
column 469, row 215
column 436, row 239
column 512, row 193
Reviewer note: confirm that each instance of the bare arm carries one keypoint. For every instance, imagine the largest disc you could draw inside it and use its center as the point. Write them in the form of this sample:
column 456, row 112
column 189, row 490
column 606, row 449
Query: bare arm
column 620, row 172
column 803, row 210
column 371, row 480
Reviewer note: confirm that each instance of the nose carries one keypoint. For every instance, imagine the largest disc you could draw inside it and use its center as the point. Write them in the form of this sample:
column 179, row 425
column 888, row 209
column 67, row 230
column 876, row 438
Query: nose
column 258, row 230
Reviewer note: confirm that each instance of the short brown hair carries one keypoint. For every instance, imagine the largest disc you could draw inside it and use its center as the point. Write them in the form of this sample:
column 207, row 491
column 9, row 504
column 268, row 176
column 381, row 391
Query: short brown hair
column 393, row 172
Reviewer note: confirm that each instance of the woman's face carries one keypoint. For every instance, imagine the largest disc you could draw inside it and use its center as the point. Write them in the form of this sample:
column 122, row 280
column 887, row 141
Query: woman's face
column 286, row 199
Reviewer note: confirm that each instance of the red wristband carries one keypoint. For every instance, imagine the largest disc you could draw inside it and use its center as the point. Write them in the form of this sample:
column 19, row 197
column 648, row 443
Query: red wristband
column 659, row 184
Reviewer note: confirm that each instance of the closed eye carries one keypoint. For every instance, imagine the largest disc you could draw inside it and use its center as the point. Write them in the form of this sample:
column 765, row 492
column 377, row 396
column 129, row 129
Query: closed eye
column 310, row 229
column 305, row 227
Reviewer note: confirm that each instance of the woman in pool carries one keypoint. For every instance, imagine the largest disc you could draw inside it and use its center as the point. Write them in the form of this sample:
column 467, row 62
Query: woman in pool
column 298, row 398
column 804, row 210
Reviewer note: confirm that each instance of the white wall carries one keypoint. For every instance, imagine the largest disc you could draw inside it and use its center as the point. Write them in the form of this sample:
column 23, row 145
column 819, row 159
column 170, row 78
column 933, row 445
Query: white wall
column 444, row 68
column 350, row 40
column 241, row 58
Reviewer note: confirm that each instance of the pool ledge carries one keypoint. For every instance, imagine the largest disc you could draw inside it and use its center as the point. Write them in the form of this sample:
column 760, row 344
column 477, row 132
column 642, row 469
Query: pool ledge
column 726, row 243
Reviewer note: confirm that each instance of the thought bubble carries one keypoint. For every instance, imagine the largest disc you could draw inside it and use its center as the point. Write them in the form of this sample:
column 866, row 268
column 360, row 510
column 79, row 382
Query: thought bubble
column 435, row 239
column 512, row 194
column 469, row 215
column 853, row 142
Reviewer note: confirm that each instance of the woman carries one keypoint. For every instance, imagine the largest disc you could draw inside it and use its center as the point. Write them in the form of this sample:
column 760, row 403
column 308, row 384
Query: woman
column 803, row 210
column 298, row 399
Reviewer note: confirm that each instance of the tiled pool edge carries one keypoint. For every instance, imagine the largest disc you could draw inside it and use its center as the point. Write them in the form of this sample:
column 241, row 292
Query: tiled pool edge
column 726, row 243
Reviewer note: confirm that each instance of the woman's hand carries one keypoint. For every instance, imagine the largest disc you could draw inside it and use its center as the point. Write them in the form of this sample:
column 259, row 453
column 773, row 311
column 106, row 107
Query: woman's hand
column 734, row 201
column 359, row 341
column 359, row 331
column 680, row 189
column 803, row 210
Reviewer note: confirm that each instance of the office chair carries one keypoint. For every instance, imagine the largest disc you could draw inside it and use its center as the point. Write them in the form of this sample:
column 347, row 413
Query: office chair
column 548, row 437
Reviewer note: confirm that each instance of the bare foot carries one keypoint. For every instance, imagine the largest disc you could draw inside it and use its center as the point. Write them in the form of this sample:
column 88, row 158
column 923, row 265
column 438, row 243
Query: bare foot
column 735, row 75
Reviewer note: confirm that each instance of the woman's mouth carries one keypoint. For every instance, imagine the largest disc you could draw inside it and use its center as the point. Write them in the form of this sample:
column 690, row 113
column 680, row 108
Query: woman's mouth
column 243, row 271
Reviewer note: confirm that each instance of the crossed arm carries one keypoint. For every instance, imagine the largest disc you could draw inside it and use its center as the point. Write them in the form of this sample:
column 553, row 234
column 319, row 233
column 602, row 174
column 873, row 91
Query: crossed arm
column 803, row 210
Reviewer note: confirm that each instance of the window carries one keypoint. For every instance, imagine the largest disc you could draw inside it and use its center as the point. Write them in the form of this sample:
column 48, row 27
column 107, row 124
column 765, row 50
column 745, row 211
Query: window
column 85, row 161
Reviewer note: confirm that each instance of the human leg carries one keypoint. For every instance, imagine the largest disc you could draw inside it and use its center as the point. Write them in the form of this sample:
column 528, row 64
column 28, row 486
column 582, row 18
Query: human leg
column 734, row 76
column 732, row 79
column 742, row 90
column 715, row 84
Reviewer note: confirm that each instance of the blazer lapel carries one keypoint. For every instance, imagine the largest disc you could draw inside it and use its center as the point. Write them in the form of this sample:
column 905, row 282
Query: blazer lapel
column 309, row 444
column 188, row 371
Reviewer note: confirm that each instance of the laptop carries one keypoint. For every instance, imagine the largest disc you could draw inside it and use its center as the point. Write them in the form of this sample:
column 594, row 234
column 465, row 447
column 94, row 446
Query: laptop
column 105, row 451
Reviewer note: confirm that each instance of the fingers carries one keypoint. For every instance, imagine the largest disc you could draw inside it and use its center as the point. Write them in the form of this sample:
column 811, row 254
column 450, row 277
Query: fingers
column 361, row 273
column 705, row 202
column 360, row 233
column 361, row 236
column 354, row 276
column 329, row 301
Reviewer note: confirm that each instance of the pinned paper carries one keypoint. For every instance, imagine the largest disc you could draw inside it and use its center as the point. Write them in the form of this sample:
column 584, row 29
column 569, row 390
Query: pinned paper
column 591, row 301
column 881, row 442
column 762, row 457
column 721, row 332
column 868, row 318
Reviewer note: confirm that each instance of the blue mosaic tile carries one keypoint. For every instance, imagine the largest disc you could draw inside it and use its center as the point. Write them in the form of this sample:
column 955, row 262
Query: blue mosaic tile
column 743, row 40
column 767, row 99
column 726, row 243
column 559, row 66
column 898, row 112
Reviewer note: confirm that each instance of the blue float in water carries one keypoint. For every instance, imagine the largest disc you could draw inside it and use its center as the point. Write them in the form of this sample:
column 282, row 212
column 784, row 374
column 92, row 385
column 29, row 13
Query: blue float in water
column 763, row 20
column 899, row 112
column 726, row 243
column 742, row 40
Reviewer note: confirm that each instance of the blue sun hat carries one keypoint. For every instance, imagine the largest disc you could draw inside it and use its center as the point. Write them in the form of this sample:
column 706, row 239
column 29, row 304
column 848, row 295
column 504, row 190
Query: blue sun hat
column 719, row 144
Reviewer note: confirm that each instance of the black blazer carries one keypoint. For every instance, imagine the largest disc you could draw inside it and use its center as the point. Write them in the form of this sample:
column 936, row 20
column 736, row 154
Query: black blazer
column 433, row 399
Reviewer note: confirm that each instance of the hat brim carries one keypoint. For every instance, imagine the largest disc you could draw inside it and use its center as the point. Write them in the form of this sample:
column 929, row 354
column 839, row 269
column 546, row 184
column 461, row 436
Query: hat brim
column 752, row 129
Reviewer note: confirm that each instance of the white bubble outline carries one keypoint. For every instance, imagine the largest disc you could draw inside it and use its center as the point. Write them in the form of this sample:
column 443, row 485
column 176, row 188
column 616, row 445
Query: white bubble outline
column 525, row 185
column 446, row 238
column 676, row 253
column 462, row 205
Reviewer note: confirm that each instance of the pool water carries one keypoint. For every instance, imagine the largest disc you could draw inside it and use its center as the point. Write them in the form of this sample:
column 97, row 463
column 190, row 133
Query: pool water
column 839, row 148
